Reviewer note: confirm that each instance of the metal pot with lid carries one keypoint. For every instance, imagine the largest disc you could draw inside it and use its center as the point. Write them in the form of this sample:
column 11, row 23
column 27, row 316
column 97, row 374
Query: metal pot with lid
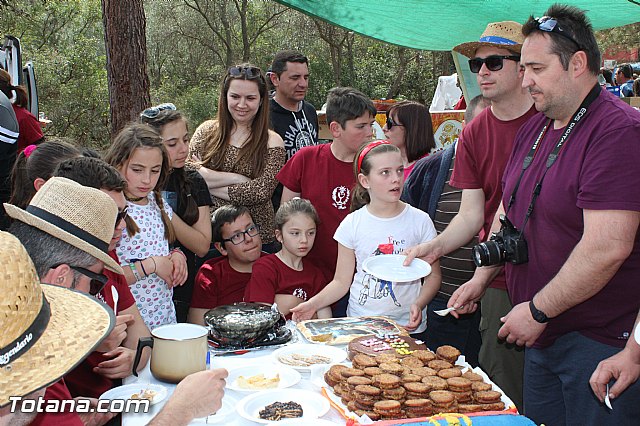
column 241, row 323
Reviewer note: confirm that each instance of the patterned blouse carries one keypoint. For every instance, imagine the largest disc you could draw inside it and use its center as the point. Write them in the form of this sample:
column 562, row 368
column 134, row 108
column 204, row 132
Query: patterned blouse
column 255, row 194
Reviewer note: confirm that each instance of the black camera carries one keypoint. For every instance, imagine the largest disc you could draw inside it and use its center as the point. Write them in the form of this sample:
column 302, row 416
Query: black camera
column 504, row 246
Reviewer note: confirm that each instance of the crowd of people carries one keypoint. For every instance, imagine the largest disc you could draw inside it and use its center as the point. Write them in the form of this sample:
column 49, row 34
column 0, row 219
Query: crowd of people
column 253, row 208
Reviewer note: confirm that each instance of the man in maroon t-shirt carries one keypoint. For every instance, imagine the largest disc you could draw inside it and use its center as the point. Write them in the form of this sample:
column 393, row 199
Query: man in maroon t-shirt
column 222, row 280
column 576, row 298
column 482, row 154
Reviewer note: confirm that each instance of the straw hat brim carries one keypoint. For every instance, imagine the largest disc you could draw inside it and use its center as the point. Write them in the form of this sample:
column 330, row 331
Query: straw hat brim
column 28, row 218
column 469, row 49
column 78, row 323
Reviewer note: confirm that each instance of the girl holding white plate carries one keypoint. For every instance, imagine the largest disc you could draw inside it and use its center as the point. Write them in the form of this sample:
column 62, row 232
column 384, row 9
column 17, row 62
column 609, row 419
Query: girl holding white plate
column 380, row 224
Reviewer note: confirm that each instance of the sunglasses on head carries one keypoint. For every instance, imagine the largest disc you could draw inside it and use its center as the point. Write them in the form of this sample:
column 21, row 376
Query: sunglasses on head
column 154, row 111
column 391, row 123
column 249, row 72
column 551, row 25
column 97, row 283
column 493, row 62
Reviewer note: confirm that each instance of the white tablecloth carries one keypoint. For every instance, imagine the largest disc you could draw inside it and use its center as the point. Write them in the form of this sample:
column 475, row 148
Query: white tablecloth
column 261, row 357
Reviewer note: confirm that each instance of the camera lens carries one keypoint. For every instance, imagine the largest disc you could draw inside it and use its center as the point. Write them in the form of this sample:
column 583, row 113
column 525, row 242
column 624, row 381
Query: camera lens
column 487, row 254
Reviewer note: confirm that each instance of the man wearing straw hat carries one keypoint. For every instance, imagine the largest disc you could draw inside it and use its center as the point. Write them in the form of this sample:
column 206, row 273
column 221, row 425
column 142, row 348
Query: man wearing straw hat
column 40, row 342
column 483, row 150
column 68, row 228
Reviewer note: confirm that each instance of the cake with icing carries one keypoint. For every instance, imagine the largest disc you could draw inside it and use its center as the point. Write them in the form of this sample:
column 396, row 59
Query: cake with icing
column 373, row 345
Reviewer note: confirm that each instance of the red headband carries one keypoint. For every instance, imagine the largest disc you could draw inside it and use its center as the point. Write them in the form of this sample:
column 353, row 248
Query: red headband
column 368, row 148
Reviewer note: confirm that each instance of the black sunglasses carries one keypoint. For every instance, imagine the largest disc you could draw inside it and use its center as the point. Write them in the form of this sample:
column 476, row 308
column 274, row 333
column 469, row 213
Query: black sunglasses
column 249, row 72
column 122, row 214
column 551, row 25
column 97, row 283
column 154, row 111
column 391, row 123
column 493, row 62
column 238, row 237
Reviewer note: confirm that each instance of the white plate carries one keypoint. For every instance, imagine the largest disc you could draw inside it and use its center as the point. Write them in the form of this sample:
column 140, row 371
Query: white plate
column 220, row 415
column 125, row 392
column 388, row 267
column 636, row 334
column 313, row 404
column 336, row 354
column 288, row 376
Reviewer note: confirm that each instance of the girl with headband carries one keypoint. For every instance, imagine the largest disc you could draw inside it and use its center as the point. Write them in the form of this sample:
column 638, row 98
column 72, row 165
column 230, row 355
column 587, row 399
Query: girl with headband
column 379, row 224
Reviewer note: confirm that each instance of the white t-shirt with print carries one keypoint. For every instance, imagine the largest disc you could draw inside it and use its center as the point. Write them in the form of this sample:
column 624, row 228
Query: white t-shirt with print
column 369, row 235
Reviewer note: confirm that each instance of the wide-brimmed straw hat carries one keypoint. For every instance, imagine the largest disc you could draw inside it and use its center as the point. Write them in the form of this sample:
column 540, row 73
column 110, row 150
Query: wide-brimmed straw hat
column 504, row 34
column 81, row 216
column 46, row 330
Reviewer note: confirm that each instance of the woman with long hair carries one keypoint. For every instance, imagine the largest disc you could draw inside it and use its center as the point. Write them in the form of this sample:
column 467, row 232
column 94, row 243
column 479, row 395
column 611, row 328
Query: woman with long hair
column 409, row 128
column 187, row 194
column 237, row 154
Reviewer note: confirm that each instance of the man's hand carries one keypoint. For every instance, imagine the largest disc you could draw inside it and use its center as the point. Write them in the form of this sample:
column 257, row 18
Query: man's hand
column 465, row 298
column 117, row 335
column 179, row 261
column 415, row 318
column 520, row 327
column 197, row 395
column 304, row 311
column 624, row 367
column 119, row 364
column 430, row 252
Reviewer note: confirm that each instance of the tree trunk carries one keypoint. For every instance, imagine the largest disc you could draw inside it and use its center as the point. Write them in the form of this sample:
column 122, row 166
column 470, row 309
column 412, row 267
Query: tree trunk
column 126, row 46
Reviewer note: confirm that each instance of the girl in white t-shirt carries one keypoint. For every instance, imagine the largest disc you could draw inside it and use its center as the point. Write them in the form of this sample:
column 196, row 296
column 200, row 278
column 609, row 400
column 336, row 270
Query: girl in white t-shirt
column 379, row 224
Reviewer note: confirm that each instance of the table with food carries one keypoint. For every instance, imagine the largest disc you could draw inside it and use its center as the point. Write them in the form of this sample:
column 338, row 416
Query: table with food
column 329, row 371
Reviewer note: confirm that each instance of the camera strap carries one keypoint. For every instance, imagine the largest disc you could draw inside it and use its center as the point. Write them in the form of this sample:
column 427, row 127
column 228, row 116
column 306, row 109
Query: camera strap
column 553, row 156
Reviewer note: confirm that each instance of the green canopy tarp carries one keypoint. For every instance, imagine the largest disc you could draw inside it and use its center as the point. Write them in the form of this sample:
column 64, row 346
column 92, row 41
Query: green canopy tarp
column 440, row 25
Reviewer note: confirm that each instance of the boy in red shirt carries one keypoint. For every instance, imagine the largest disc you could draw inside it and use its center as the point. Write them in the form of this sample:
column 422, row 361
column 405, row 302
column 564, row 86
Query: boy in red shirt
column 222, row 280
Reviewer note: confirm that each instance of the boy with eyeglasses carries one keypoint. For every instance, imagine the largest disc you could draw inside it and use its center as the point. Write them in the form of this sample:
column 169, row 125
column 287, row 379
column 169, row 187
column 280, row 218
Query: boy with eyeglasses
column 222, row 280
column 481, row 157
column 323, row 174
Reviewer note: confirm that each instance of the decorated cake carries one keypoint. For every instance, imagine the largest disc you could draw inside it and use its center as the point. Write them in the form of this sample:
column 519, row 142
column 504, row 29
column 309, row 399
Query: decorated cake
column 340, row 331
column 374, row 345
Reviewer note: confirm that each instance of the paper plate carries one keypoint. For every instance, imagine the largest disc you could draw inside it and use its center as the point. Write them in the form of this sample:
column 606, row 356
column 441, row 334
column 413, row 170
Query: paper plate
column 313, row 404
column 288, row 376
column 126, row 391
column 335, row 355
column 219, row 416
column 388, row 267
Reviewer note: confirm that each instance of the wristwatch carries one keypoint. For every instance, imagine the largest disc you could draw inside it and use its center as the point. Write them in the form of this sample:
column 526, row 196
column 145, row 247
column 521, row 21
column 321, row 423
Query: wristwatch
column 537, row 314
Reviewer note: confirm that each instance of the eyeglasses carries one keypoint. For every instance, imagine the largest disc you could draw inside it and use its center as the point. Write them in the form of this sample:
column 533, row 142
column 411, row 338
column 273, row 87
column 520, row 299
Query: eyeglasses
column 122, row 214
column 249, row 72
column 154, row 111
column 238, row 238
column 97, row 283
column 391, row 123
column 550, row 25
column 493, row 62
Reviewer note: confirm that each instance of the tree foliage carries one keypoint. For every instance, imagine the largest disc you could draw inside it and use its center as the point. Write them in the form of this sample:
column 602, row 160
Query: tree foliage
column 191, row 43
